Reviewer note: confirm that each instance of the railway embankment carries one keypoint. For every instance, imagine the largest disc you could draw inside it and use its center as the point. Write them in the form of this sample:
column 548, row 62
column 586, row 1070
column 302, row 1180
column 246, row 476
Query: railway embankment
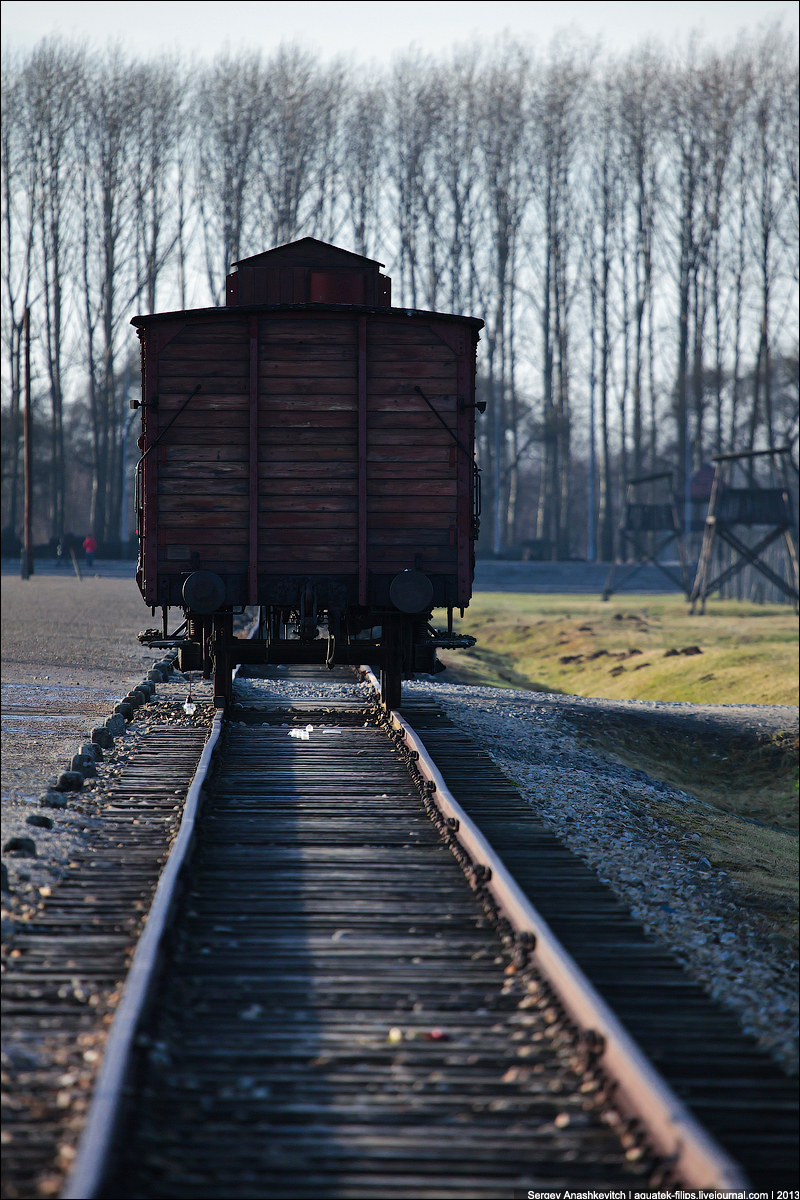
column 719, row 890
column 81, row 865
column 69, row 655
column 715, row 888
column 68, row 943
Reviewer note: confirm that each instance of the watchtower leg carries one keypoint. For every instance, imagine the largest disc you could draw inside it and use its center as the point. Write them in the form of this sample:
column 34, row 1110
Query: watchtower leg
column 609, row 587
column 699, row 590
column 792, row 552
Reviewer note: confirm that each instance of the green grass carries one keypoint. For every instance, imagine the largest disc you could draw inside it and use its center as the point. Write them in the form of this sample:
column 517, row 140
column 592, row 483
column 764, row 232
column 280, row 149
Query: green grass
column 625, row 649
column 620, row 650
column 761, row 863
column 751, row 776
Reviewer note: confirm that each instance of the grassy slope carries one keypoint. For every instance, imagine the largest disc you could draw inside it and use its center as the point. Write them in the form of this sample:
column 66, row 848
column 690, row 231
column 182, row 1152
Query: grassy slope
column 761, row 863
column 619, row 649
column 748, row 656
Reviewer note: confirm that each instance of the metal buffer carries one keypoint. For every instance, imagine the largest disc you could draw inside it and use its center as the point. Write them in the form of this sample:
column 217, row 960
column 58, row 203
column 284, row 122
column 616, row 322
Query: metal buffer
column 640, row 518
column 749, row 506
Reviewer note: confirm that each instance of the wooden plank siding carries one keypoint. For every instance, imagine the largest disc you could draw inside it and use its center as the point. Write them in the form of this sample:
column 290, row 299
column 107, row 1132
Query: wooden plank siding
column 261, row 470
column 203, row 460
column 411, row 473
column 308, row 445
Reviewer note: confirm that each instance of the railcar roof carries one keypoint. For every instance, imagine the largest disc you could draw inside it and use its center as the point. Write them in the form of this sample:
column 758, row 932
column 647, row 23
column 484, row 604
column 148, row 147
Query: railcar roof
column 235, row 312
column 310, row 249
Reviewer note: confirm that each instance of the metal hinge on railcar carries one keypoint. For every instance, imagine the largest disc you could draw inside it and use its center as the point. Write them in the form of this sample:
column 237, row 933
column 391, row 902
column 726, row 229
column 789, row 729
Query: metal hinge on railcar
column 425, row 652
column 443, row 640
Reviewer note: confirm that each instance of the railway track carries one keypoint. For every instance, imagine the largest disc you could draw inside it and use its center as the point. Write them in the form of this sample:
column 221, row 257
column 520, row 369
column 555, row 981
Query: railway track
column 339, row 992
column 60, row 984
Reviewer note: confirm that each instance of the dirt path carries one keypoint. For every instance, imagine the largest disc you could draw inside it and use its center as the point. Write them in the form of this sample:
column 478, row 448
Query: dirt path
column 69, row 653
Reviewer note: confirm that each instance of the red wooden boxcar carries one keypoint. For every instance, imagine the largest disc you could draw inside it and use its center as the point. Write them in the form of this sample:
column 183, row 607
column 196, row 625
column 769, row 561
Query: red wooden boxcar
column 308, row 449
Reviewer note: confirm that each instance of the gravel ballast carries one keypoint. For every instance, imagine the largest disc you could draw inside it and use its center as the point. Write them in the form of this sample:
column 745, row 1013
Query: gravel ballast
column 618, row 822
column 633, row 830
column 623, row 825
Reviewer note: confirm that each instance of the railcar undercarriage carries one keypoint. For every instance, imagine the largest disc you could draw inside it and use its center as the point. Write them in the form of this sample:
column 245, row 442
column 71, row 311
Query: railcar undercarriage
column 400, row 644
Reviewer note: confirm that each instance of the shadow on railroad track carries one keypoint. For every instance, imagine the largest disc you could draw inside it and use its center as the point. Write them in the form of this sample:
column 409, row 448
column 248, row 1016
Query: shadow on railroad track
column 230, row 1088
column 335, row 1014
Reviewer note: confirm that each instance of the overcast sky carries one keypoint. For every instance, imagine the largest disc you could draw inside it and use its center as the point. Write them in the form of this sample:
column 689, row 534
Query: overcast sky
column 376, row 30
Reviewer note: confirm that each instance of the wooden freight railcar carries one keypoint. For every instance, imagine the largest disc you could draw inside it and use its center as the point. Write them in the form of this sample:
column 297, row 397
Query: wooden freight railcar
column 308, row 449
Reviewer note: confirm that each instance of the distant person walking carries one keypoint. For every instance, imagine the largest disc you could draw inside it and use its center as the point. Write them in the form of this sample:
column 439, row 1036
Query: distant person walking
column 90, row 546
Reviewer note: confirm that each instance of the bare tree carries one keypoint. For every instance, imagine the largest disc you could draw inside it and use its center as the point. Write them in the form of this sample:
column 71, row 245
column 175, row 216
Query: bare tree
column 108, row 265
column 504, row 130
column 457, row 164
column 604, row 198
column 657, row 198
column 54, row 80
column 155, row 126
column 686, row 139
column 770, row 196
column 641, row 81
column 230, row 109
column 296, row 133
column 559, row 109
column 411, row 121
column 185, row 192
column 327, row 141
column 19, row 161
column 363, row 161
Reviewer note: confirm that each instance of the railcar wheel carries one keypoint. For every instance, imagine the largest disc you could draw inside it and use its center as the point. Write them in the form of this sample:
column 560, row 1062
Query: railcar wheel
column 223, row 671
column 391, row 688
column 392, row 667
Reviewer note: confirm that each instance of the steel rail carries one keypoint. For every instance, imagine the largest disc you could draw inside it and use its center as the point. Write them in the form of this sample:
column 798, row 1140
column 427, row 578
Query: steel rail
column 641, row 1092
column 95, row 1143
column 694, row 1156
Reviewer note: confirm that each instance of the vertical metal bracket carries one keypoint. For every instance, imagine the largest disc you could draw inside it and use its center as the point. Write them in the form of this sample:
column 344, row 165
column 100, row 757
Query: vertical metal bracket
column 252, row 569
column 362, row 460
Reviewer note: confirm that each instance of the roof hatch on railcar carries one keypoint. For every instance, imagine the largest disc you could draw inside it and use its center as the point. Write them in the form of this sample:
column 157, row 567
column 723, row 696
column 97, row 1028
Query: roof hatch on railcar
column 308, row 272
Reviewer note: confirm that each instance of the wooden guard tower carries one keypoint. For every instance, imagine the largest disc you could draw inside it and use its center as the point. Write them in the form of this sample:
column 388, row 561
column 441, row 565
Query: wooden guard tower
column 730, row 507
column 640, row 518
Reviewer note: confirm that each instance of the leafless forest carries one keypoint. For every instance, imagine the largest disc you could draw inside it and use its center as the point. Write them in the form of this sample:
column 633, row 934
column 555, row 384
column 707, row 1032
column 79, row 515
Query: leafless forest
column 628, row 229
